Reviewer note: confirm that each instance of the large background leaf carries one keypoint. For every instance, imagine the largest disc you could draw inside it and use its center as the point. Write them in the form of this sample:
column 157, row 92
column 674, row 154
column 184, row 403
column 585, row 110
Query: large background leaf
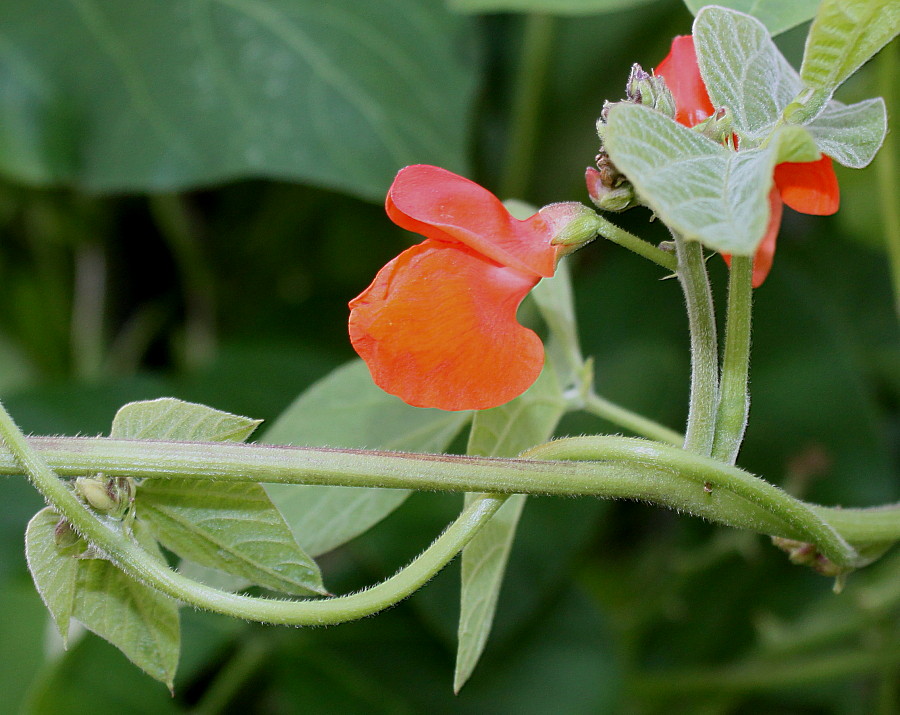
column 335, row 94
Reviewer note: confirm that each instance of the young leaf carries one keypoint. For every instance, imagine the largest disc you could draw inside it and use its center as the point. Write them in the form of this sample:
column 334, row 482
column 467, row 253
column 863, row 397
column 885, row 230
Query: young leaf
column 776, row 15
column 52, row 569
column 697, row 187
column 233, row 526
column 346, row 409
column 851, row 135
column 500, row 432
column 743, row 70
column 138, row 620
column 844, row 35
column 168, row 418
column 180, row 93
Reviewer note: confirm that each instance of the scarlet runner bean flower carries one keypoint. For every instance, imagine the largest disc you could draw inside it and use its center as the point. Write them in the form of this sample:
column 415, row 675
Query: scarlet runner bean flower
column 809, row 188
column 437, row 327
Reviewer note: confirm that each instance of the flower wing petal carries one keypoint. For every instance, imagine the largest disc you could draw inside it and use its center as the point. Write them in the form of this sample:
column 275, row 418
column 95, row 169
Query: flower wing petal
column 682, row 75
column 437, row 328
column 810, row 187
column 441, row 205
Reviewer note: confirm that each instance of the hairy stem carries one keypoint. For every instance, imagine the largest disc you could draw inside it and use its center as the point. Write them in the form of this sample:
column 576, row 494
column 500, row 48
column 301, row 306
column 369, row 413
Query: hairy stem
column 704, row 400
column 632, row 421
column 734, row 397
column 613, row 233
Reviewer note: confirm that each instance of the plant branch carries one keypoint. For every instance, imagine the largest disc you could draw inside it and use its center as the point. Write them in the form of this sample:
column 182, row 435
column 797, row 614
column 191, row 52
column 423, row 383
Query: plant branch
column 613, row 233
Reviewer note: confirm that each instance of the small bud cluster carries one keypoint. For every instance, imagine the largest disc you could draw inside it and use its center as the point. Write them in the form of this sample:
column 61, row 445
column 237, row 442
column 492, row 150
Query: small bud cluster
column 112, row 496
column 608, row 188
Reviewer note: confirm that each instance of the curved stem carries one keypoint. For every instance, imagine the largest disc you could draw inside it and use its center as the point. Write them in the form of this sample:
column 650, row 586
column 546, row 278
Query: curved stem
column 618, row 468
column 613, row 233
column 139, row 564
column 632, row 421
column 734, row 398
column 701, row 423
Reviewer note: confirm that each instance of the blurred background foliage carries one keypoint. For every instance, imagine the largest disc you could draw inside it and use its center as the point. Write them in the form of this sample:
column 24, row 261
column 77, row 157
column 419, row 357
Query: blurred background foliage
column 191, row 194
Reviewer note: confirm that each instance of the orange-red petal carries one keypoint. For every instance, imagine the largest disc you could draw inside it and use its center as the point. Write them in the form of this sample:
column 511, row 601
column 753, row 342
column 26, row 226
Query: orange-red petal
column 765, row 253
column 810, row 187
column 444, row 206
column 682, row 75
column 438, row 328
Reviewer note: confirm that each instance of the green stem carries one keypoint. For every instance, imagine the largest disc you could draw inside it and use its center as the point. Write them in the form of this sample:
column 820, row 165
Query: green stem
column 537, row 50
column 139, row 564
column 613, row 233
column 632, row 421
column 886, row 167
column 704, row 400
column 614, row 467
column 734, row 398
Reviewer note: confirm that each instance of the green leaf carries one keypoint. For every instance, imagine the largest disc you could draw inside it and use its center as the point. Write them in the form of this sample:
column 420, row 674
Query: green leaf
column 844, row 35
column 776, row 15
column 52, row 569
column 231, row 526
column 554, row 7
column 170, row 95
column 555, row 301
column 139, row 621
column 500, row 432
column 697, row 187
column 743, row 70
column 168, row 418
column 346, row 409
column 851, row 135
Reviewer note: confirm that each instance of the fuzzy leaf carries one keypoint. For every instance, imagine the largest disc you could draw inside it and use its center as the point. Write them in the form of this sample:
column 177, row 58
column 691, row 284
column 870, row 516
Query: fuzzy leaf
column 136, row 619
column 844, row 35
column 499, row 432
column 776, row 15
column 52, row 568
column 697, row 187
column 230, row 526
column 346, row 409
column 743, row 70
column 851, row 134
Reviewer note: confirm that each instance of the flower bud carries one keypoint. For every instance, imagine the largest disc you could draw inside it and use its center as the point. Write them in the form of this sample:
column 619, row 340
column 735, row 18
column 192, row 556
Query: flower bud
column 572, row 224
column 615, row 195
column 111, row 496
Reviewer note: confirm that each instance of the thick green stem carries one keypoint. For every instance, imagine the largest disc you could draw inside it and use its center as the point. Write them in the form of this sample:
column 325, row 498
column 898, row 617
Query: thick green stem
column 734, row 398
column 632, row 421
column 616, row 467
column 613, row 233
column 704, row 400
column 139, row 564
column 537, row 50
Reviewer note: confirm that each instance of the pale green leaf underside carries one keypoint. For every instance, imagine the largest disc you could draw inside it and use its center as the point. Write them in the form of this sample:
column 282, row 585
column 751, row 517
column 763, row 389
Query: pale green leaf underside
column 500, row 432
column 744, row 71
column 555, row 301
column 699, row 188
column 53, row 573
column 138, row 620
column 844, row 35
column 167, row 95
column 230, row 526
column 233, row 527
column 554, row 7
column 168, row 418
column 776, row 15
column 346, row 409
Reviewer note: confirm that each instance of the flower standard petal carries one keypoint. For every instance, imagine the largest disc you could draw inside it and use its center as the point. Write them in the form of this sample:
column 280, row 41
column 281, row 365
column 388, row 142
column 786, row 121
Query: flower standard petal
column 682, row 75
column 810, row 187
column 445, row 206
column 437, row 327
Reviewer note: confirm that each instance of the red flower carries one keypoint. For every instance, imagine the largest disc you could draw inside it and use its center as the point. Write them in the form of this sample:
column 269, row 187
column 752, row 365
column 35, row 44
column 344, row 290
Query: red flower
column 809, row 188
column 437, row 327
